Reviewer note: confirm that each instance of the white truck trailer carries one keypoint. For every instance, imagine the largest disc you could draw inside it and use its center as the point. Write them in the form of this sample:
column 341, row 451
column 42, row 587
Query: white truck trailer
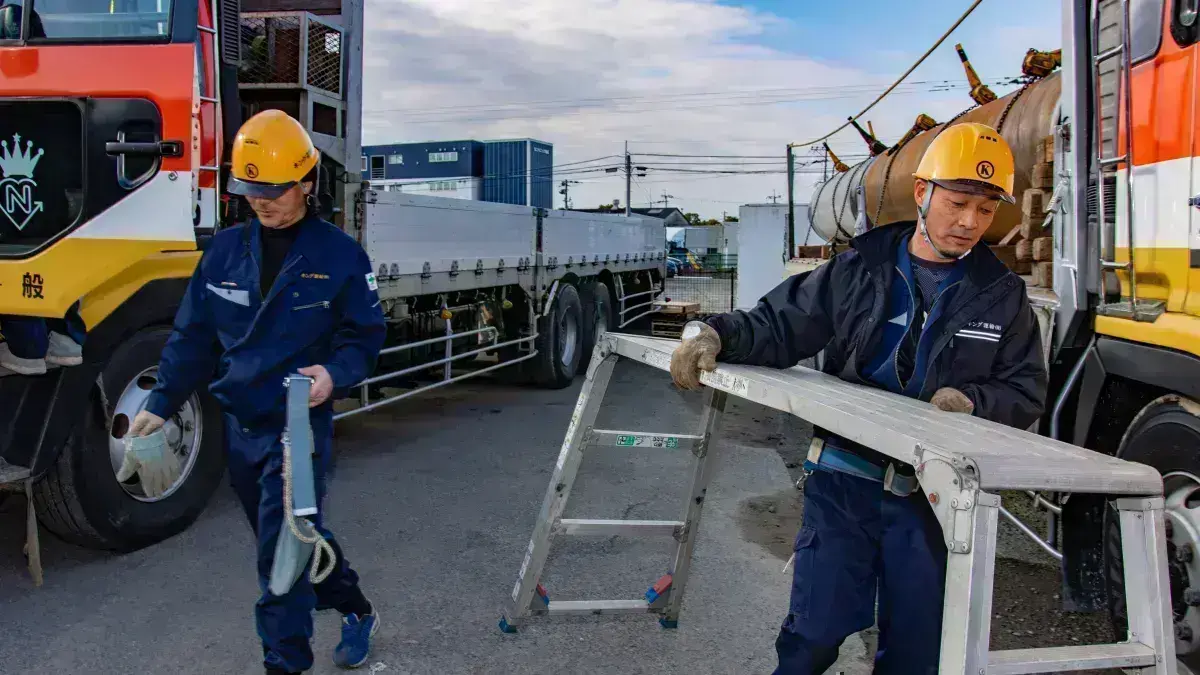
column 462, row 281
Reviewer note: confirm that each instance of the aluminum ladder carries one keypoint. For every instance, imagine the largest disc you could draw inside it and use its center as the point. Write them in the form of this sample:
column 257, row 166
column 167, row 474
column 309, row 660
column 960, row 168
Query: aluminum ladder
column 1139, row 310
column 665, row 596
column 962, row 463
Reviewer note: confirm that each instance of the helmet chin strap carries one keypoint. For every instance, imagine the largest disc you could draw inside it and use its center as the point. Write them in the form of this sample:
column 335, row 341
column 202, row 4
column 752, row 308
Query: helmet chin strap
column 924, row 209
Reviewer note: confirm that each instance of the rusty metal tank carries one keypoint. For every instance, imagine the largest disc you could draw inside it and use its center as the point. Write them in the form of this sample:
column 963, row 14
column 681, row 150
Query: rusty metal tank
column 1023, row 118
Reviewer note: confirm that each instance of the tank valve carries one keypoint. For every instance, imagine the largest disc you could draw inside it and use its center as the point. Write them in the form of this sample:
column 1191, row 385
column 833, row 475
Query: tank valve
column 873, row 143
column 980, row 92
column 1040, row 64
column 923, row 123
column 838, row 165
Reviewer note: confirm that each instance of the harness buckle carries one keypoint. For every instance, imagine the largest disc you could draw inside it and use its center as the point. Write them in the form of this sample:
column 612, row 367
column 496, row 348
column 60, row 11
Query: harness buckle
column 898, row 483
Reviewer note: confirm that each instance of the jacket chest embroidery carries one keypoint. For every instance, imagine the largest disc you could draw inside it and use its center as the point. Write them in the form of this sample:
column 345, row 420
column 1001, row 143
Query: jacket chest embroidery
column 981, row 330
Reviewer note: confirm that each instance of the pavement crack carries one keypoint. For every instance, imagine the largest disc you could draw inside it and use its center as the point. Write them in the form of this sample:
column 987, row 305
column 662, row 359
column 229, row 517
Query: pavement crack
column 612, row 541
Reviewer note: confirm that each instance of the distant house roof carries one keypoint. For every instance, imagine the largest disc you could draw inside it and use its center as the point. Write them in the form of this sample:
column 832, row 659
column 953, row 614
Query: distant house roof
column 671, row 216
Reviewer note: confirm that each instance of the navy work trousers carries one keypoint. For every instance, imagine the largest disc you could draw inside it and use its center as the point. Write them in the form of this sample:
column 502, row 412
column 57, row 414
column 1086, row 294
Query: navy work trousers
column 285, row 622
column 28, row 337
column 858, row 542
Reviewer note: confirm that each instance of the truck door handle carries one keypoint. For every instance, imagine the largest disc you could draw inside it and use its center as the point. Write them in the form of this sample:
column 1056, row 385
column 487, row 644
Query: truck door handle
column 155, row 149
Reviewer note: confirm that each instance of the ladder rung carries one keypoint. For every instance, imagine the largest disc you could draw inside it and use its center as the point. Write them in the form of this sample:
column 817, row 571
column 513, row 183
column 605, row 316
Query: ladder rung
column 209, row 99
column 1113, row 265
column 1111, row 161
column 1109, row 53
column 209, row 168
column 637, row 528
column 560, row 607
column 638, row 439
column 1066, row 659
column 206, row 29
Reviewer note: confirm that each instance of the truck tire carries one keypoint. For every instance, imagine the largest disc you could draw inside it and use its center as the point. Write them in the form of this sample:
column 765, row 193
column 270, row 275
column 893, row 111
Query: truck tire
column 79, row 498
column 597, row 316
column 1166, row 436
column 559, row 341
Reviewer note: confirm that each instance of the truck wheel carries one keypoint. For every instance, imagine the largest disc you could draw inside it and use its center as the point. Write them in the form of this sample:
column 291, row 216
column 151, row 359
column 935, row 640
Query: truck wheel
column 559, row 341
column 1166, row 436
column 79, row 498
column 597, row 316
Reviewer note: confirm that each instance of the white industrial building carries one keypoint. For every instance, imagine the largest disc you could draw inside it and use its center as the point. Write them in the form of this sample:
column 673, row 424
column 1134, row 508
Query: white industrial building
column 463, row 187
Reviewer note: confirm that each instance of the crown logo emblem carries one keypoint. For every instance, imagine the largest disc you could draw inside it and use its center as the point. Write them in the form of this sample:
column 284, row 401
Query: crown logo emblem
column 18, row 198
column 15, row 163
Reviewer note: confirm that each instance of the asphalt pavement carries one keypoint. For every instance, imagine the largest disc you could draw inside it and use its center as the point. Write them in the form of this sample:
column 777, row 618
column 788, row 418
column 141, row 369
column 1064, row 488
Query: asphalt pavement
column 434, row 501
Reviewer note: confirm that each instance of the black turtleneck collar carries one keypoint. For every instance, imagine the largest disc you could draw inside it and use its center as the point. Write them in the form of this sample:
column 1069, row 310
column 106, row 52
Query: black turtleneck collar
column 275, row 246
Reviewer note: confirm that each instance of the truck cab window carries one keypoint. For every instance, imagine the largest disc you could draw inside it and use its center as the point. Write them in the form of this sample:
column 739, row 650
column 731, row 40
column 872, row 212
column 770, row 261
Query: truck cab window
column 102, row 19
column 1145, row 28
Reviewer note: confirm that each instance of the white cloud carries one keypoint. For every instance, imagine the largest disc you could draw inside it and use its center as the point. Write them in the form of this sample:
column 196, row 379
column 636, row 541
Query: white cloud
column 446, row 69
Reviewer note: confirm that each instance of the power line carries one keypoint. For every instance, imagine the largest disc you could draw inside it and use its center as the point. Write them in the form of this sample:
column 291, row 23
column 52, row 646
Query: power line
column 901, row 79
column 773, row 92
column 536, row 114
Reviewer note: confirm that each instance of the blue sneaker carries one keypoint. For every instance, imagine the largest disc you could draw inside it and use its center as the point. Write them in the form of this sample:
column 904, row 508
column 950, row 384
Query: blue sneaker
column 355, row 647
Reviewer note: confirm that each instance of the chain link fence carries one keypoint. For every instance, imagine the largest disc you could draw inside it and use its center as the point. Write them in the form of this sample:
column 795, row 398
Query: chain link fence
column 272, row 47
column 709, row 280
column 324, row 57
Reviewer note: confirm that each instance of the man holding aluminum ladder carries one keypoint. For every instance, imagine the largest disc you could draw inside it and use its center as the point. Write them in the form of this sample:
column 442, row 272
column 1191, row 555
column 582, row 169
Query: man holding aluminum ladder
column 920, row 309
column 286, row 294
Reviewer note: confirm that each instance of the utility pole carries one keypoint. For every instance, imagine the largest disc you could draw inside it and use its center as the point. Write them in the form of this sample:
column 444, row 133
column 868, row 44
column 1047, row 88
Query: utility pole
column 628, row 177
column 565, row 192
column 791, row 203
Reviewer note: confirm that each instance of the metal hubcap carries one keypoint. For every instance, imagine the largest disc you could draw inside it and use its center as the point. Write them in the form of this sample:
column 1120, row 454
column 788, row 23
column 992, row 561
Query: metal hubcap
column 184, row 432
column 1183, row 549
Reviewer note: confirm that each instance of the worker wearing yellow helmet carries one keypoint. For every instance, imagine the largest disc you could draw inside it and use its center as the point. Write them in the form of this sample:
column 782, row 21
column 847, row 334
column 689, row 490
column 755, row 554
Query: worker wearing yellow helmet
column 921, row 309
column 973, row 165
column 287, row 293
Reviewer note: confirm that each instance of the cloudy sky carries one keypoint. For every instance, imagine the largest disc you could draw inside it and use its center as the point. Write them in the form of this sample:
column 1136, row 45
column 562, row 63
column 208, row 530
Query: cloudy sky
column 678, row 77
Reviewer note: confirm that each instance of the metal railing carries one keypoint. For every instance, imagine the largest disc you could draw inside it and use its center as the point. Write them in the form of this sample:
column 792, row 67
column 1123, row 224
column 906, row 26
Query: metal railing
column 365, row 404
column 647, row 307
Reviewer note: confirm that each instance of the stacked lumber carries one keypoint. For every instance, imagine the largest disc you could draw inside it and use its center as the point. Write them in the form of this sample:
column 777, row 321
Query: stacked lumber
column 1029, row 248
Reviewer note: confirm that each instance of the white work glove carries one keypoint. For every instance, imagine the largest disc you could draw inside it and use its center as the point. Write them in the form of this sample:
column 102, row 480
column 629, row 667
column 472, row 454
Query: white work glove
column 696, row 352
column 147, row 455
column 146, row 423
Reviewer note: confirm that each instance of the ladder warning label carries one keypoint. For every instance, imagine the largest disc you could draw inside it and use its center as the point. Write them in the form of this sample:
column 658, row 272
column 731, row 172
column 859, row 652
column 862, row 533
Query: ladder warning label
column 738, row 385
column 647, row 441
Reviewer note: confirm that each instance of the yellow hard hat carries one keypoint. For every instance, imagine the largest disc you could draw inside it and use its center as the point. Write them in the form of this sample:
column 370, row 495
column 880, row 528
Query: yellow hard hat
column 970, row 157
column 271, row 154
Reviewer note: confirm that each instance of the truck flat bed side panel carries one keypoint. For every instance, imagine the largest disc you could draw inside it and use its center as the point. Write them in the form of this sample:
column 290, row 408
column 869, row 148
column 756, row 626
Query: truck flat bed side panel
column 1007, row 458
column 414, row 234
column 571, row 236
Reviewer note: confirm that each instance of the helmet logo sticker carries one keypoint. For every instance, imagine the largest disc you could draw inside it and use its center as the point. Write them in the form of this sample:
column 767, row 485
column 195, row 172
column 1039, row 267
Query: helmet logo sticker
column 985, row 169
column 303, row 159
column 251, row 171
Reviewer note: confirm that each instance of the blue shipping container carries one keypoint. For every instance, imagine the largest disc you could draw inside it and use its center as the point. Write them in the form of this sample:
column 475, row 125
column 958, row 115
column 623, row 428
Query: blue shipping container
column 519, row 172
column 406, row 161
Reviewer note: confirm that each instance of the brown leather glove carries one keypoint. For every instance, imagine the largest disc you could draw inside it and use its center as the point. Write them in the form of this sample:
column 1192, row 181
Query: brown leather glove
column 952, row 400
column 695, row 354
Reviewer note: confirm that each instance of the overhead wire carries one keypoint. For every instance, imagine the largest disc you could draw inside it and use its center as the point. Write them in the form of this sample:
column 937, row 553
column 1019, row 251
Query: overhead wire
column 900, row 79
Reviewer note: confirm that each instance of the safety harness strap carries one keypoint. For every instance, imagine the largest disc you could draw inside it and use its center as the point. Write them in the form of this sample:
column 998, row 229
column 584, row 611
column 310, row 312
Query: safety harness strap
column 823, row 457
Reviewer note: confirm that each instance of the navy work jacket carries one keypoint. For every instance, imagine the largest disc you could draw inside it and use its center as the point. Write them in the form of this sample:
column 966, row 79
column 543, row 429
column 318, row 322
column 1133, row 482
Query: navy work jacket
column 323, row 309
column 985, row 342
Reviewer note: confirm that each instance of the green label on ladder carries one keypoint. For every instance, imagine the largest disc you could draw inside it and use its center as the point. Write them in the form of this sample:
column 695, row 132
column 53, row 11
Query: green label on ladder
column 651, row 441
